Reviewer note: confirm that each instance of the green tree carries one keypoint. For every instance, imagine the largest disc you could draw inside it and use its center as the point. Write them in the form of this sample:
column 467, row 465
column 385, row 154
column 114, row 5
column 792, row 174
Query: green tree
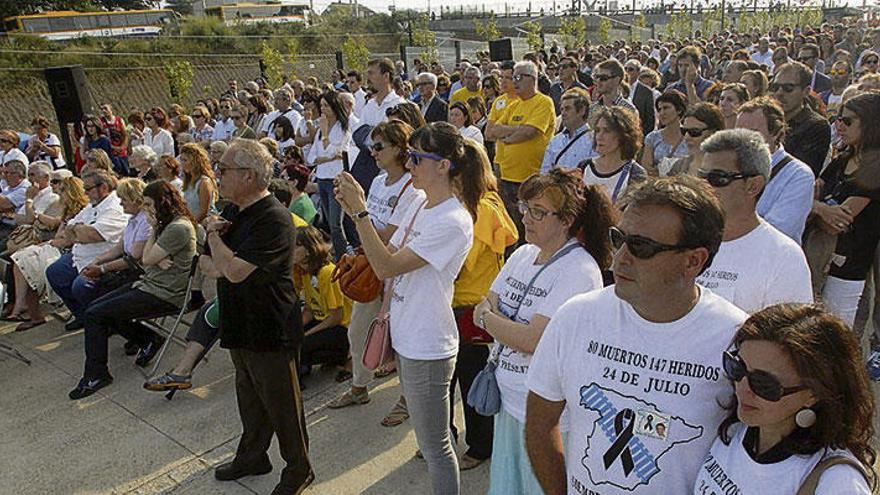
column 355, row 54
column 19, row 7
column 638, row 25
column 604, row 30
column 273, row 64
column 534, row 37
column 180, row 79
column 488, row 31
column 573, row 32
column 425, row 38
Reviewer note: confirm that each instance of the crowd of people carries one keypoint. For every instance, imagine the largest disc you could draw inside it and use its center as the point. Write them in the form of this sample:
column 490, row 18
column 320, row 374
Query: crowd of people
column 665, row 253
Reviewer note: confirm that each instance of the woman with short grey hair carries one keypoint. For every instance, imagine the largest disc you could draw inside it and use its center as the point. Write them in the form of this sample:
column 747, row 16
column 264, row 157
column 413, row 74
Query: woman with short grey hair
column 143, row 159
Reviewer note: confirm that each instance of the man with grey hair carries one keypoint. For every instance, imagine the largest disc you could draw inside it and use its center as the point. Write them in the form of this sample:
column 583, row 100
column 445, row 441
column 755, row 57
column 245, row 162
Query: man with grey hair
column 434, row 108
column 39, row 196
column 251, row 256
column 283, row 99
column 757, row 265
column 12, row 196
column 471, row 86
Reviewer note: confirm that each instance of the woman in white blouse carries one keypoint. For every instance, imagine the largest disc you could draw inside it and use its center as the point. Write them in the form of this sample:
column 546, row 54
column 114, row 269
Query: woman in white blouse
column 460, row 117
column 331, row 140
column 156, row 136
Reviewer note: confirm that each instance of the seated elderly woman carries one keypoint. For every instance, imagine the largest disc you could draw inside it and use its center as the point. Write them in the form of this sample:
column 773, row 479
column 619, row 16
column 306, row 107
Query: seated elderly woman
column 167, row 258
column 30, row 263
column 142, row 161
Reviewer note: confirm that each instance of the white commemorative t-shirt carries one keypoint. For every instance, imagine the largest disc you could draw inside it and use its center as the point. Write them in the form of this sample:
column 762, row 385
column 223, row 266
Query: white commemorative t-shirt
column 728, row 469
column 759, row 269
column 574, row 273
column 382, row 198
column 422, row 324
column 641, row 397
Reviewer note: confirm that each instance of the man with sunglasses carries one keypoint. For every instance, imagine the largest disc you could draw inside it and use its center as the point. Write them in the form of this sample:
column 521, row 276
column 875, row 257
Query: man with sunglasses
column 841, row 76
column 809, row 134
column 567, row 80
column 640, row 95
column 607, row 92
column 757, row 265
column 809, row 56
column 645, row 352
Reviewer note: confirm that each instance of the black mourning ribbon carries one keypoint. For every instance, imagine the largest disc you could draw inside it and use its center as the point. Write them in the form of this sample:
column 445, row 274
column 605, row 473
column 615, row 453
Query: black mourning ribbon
column 623, row 428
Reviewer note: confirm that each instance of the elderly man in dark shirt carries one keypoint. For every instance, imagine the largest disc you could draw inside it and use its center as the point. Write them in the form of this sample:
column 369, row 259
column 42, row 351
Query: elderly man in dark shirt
column 251, row 248
column 809, row 134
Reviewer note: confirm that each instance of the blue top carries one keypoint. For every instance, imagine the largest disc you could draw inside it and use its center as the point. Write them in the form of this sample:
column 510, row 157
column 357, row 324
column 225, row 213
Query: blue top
column 16, row 195
column 101, row 143
column 788, row 198
column 662, row 149
column 574, row 155
column 701, row 84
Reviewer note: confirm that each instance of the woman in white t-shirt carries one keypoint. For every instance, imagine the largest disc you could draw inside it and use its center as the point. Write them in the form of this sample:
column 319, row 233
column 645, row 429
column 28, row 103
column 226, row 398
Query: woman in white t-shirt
column 460, row 117
column 617, row 138
column 422, row 260
column 390, row 195
column 44, row 145
column 801, row 397
column 331, row 140
column 565, row 225
column 156, row 136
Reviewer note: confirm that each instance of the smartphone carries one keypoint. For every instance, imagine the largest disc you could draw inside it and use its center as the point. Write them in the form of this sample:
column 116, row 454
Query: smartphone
column 345, row 165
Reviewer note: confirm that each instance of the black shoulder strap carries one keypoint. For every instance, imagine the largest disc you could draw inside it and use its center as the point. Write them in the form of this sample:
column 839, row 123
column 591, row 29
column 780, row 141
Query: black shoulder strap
column 781, row 165
column 569, row 145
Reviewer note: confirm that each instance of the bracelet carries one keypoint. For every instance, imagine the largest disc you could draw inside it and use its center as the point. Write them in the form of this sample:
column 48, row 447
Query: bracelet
column 103, row 270
column 362, row 214
column 482, row 319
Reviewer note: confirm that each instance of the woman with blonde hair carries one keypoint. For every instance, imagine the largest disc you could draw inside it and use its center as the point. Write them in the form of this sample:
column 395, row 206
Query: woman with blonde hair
column 199, row 183
column 29, row 264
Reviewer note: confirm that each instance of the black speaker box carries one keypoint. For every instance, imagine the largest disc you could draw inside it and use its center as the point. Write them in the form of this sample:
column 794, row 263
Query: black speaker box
column 69, row 90
column 500, row 50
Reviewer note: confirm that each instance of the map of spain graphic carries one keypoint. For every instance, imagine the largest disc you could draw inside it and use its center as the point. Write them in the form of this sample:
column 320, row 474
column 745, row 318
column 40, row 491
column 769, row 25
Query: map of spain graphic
column 615, row 453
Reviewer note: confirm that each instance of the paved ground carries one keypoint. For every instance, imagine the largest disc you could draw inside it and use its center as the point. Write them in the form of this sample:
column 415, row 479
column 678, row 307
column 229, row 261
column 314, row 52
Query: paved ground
column 126, row 440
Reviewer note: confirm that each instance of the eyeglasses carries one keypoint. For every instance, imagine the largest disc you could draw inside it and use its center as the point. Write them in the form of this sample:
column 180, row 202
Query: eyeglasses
column 847, row 121
column 603, row 77
column 416, row 158
column 693, row 131
column 377, row 147
column 223, row 170
column 720, row 178
column 763, row 384
column 836, row 72
column 639, row 246
column 198, row 116
column 55, row 181
column 537, row 214
column 89, row 188
column 872, row 61
column 806, row 58
column 519, row 77
column 423, row 83
column 786, row 87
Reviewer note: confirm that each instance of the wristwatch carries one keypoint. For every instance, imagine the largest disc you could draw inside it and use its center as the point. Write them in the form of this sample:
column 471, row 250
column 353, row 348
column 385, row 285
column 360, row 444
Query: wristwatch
column 362, row 214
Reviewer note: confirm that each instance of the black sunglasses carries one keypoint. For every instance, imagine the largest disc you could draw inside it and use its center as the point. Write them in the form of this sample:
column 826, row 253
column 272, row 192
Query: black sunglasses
column 763, row 384
column 847, row 121
column 640, row 247
column 692, row 131
column 786, row 87
column 377, row 147
column 603, row 77
column 721, row 178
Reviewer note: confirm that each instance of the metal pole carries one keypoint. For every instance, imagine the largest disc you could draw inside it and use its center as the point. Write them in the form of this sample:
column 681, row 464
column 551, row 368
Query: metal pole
column 722, row 14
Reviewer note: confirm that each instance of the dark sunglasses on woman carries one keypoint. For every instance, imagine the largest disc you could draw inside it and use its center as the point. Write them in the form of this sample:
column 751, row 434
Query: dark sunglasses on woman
column 763, row 384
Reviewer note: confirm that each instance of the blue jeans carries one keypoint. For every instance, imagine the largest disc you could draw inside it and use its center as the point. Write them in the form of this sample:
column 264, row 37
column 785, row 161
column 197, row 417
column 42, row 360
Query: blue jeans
column 76, row 291
column 342, row 229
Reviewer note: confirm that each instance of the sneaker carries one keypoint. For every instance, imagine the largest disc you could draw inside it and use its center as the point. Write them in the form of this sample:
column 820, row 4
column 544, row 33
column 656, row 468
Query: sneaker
column 74, row 325
column 169, row 381
column 873, row 365
column 349, row 399
column 148, row 352
column 86, row 387
column 232, row 470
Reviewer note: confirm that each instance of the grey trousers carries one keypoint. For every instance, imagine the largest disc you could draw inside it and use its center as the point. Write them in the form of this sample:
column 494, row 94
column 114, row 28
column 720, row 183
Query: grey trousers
column 362, row 315
column 426, row 387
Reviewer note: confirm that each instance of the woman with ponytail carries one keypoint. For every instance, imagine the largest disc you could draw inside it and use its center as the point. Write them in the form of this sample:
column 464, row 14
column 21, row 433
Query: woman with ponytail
column 494, row 231
column 566, row 225
column 422, row 260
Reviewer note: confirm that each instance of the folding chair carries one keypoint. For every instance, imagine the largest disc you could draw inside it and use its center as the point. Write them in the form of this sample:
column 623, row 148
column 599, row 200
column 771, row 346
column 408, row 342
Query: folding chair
column 150, row 322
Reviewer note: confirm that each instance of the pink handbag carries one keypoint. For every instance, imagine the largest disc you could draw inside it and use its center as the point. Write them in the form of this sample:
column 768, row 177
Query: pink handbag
column 377, row 348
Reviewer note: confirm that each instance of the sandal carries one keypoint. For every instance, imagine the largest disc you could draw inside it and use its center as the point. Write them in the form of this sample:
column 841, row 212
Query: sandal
column 396, row 416
column 28, row 324
column 169, row 381
column 385, row 370
column 466, row 462
column 16, row 317
column 342, row 376
column 349, row 399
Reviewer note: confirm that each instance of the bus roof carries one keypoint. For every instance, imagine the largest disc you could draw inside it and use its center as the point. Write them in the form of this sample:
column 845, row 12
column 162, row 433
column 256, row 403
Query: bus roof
column 67, row 13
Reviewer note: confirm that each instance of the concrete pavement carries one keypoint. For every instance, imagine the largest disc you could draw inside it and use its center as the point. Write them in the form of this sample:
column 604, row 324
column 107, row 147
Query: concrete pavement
column 125, row 440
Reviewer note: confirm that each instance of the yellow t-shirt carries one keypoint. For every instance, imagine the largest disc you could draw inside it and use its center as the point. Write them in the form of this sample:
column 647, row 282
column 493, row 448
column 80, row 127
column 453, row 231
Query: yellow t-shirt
column 497, row 113
column 464, row 94
column 494, row 230
column 321, row 295
column 524, row 159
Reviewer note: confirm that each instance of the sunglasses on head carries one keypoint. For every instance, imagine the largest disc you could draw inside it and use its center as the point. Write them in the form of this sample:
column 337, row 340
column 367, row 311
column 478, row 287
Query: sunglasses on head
column 416, row 157
column 763, row 384
column 692, row 131
column 721, row 178
column 786, row 87
column 640, row 247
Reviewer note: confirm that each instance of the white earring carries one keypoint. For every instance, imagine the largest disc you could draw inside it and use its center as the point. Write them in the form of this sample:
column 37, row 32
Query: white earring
column 805, row 418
